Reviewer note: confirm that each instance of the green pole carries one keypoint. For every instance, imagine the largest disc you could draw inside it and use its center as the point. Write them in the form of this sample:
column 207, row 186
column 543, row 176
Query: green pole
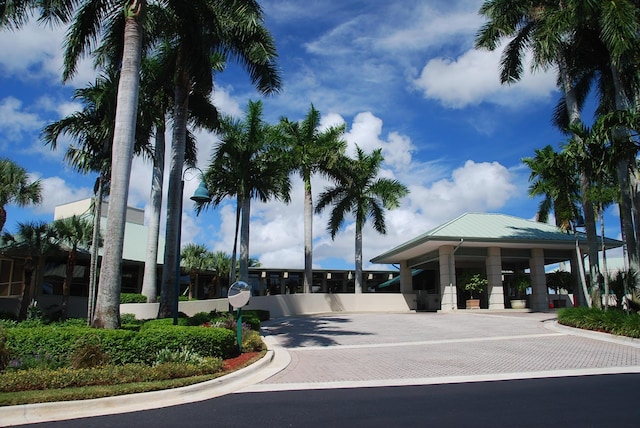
column 239, row 335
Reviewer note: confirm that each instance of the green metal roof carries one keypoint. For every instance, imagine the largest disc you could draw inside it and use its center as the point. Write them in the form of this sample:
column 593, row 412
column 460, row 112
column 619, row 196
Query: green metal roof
column 481, row 228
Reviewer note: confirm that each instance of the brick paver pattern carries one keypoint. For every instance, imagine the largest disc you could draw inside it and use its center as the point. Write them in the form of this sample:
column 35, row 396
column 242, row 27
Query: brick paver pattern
column 366, row 347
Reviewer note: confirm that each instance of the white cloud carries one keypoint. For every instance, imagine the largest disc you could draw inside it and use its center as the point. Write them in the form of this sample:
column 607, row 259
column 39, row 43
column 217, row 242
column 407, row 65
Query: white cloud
column 15, row 121
column 57, row 191
column 473, row 78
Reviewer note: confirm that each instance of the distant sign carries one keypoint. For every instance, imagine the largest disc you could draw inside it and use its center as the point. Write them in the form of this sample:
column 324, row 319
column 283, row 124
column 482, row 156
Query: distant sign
column 239, row 294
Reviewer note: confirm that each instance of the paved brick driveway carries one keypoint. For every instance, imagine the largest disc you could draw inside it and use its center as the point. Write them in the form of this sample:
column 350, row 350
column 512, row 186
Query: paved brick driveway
column 342, row 350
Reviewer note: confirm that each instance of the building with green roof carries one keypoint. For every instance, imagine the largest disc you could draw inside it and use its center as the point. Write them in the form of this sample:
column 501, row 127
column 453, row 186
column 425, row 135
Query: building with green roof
column 496, row 245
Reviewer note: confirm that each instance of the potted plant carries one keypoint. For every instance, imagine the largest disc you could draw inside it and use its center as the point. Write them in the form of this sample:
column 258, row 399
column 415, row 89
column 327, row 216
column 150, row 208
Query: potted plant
column 473, row 283
column 521, row 283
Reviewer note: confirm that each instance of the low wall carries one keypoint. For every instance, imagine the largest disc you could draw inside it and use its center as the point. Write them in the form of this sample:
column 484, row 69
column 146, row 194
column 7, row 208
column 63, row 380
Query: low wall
column 281, row 305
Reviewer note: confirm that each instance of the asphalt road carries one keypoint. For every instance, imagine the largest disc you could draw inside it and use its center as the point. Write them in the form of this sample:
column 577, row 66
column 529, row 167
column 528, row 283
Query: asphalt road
column 585, row 401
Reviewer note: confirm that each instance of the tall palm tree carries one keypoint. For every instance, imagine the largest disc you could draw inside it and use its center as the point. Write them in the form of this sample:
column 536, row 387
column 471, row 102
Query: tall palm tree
column 92, row 129
column 16, row 188
column 359, row 192
column 201, row 35
column 548, row 30
column 312, row 151
column 247, row 165
column 72, row 233
column 551, row 177
column 157, row 94
column 32, row 240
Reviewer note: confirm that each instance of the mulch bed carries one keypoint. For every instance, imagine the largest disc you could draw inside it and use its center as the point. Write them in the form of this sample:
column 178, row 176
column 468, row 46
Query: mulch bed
column 240, row 361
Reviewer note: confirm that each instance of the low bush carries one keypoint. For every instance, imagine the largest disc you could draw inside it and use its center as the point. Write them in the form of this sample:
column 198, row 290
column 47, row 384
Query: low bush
column 132, row 298
column 67, row 378
column 261, row 314
column 612, row 321
column 251, row 341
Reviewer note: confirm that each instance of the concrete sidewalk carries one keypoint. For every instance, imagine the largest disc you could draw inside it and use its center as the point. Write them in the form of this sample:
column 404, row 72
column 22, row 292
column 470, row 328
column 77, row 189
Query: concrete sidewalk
column 385, row 349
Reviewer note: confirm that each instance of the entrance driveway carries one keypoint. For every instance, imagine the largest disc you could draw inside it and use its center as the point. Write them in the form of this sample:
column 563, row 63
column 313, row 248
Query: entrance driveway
column 383, row 349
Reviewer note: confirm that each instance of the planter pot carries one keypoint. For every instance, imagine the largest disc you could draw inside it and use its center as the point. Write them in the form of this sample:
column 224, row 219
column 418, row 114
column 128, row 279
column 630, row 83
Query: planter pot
column 473, row 304
column 518, row 304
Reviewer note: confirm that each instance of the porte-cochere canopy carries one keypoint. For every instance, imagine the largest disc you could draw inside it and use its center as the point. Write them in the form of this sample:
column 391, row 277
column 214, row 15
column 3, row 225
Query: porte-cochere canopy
column 493, row 244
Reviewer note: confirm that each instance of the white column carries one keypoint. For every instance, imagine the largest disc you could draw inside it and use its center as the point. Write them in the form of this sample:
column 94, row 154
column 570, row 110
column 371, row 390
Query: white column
column 406, row 279
column 539, row 296
column 448, row 295
column 495, row 290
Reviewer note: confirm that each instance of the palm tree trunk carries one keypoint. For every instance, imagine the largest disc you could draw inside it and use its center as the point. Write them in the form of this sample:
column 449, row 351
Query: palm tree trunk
column 244, row 240
column 107, row 312
column 573, row 110
column 308, row 237
column 66, row 286
column 95, row 245
column 29, row 267
column 149, row 284
column 234, row 255
column 358, row 276
column 604, row 259
column 174, row 202
column 625, row 177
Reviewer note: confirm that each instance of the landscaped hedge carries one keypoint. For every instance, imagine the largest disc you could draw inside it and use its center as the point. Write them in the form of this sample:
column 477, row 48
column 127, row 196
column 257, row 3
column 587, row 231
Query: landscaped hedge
column 52, row 346
column 132, row 298
column 612, row 321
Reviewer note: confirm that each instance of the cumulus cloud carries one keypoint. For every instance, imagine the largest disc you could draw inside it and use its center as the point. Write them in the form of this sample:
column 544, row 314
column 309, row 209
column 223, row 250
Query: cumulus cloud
column 473, row 78
column 58, row 191
column 15, row 121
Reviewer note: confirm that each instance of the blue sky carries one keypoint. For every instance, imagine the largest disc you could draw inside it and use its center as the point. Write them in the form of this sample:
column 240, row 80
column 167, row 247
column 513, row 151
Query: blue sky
column 403, row 76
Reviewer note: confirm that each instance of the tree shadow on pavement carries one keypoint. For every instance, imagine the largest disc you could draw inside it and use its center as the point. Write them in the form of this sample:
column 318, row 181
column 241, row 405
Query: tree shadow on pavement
column 310, row 331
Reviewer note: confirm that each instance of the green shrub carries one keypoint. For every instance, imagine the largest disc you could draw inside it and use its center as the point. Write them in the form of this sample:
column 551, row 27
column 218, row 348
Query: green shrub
column 88, row 353
column 132, row 298
column 4, row 352
column 199, row 319
column 207, row 342
column 251, row 341
column 183, row 356
column 612, row 321
column 261, row 314
column 68, row 378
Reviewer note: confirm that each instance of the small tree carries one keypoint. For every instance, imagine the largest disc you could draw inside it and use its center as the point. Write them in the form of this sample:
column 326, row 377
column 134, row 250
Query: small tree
column 473, row 282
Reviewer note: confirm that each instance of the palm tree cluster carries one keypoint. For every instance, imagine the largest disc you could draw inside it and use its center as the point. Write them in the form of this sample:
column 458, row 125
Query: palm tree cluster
column 256, row 160
column 188, row 42
column 163, row 55
column 594, row 46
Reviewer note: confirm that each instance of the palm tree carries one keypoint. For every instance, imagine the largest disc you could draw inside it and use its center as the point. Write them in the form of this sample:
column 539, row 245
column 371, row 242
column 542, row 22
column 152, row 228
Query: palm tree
column 231, row 30
column 32, row 240
column 312, row 151
column 73, row 233
column 16, row 188
column 551, row 177
column 221, row 264
column 157, row 94
column 195, row 258
column 247, row 165
column 92, row 128
column 359, row 192
column 549, row 30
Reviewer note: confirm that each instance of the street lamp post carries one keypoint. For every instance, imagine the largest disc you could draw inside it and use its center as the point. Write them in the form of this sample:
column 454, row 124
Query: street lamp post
column 201, row 195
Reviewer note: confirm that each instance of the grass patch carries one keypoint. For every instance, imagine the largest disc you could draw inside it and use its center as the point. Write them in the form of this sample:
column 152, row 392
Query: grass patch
column 612, row 321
